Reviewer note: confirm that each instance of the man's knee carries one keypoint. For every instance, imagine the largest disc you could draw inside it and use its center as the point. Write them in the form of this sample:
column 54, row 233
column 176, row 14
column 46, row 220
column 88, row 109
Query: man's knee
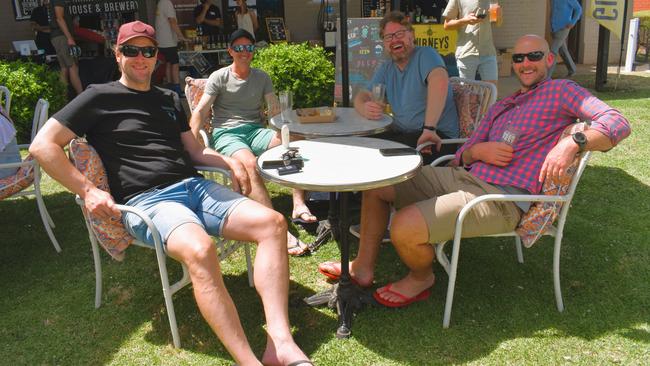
column 272, row 224
column 409, row 227
column 385, row 194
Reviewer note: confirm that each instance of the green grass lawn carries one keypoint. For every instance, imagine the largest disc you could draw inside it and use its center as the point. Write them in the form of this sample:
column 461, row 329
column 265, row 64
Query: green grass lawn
column 504, row 312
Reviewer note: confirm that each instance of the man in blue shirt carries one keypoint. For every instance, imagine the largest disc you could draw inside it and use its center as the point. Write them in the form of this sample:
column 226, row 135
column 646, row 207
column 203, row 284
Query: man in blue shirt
column 564, row 15
column 417, row 88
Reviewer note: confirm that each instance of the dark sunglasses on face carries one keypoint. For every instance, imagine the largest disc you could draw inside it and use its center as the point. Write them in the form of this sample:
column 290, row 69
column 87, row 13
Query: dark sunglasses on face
column 243, row 47
column 532, row 56
column 132, row 51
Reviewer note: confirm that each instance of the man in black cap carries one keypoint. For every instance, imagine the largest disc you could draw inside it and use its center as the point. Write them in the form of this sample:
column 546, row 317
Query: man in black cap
column 143, row 138
column 236, row 96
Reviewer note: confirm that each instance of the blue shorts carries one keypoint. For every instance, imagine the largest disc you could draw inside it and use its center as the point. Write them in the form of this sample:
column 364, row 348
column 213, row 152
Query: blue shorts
column 486, row 66
column 192, row 200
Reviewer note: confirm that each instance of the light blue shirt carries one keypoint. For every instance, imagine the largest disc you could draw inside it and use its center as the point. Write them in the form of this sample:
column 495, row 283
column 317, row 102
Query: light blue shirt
column 564, row 13
column 407, row 92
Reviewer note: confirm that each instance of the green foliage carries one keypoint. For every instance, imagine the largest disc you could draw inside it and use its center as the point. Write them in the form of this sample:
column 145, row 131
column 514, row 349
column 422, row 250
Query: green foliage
column 301, row 68
column 28, row 82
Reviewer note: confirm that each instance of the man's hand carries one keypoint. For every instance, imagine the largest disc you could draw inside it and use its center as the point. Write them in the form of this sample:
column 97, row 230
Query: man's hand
column 559, row 159
column 71, row 42
column 100, row 203
column 240, row 180
column 429, row 136
column 495, row 153
column 373, row 110
column 471, row 19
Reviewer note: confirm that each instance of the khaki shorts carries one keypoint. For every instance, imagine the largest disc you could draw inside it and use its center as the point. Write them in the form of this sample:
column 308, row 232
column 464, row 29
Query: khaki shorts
column 441, row 192
column 60, row 44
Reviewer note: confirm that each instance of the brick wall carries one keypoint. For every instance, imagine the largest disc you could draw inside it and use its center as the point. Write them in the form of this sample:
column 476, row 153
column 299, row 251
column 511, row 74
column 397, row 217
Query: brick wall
column 300, row 17
column 641, row 5
column 12, row 30
column 519, row 17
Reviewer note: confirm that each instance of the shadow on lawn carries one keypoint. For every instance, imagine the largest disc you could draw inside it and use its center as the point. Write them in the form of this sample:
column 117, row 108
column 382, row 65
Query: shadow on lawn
column 604, row 276
column 47, row 298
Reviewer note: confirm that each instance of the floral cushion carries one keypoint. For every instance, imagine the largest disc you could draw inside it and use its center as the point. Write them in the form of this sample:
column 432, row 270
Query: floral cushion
column 541, row 215
column 193, row 92
column 23, row 178
column 110, row 233
column 468, row 103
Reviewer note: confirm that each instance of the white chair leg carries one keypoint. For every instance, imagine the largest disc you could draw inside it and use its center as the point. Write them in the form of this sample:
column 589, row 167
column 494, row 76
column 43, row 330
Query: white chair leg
column 98, row 265
column 249, row 265
column 556, row 272
column 47, row 220
column 520, row 252
column 452, row 283
column 169, row 304
column 441, row 257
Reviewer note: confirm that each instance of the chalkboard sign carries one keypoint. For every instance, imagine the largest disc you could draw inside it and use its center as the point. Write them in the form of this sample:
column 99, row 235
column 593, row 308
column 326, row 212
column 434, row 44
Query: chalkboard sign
column 277, row 32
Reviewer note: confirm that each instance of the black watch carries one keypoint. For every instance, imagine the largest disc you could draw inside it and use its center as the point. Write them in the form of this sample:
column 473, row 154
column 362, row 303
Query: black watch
column 580, row 139
column 430, row 128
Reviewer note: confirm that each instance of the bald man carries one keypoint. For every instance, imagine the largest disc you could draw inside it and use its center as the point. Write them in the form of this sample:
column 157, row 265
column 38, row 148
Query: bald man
column 531, row 121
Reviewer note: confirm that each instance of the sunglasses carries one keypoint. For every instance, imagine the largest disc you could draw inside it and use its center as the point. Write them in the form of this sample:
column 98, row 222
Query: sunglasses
column 243, row 47
column 397, row 35
column 532, row 56
column 132, row 51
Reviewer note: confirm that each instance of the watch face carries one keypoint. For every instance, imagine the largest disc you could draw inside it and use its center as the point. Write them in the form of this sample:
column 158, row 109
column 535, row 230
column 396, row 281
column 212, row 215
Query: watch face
column 580, row 139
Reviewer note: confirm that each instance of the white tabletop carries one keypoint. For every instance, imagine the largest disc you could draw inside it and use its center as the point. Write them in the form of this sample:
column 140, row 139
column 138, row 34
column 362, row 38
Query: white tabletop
column 343, row 164
column 348, row 122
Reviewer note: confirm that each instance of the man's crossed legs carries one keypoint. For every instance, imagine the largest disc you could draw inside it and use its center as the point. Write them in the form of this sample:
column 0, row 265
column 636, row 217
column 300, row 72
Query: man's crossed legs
column 427, row 208
column 186, row 214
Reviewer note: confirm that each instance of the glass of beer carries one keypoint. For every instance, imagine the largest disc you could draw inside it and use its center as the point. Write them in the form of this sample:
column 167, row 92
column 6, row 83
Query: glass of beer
column 494, row 10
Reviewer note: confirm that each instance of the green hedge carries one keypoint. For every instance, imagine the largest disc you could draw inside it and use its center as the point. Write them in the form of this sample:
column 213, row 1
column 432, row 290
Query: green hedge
column 301, row 68
column 28, row 82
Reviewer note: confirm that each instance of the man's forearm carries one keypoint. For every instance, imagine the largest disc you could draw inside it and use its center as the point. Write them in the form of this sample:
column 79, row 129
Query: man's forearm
column 436, row 96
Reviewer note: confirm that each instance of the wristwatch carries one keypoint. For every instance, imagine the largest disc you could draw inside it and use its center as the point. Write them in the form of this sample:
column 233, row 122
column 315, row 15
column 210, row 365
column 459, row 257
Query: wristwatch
column 430, row 128
column 580, row 139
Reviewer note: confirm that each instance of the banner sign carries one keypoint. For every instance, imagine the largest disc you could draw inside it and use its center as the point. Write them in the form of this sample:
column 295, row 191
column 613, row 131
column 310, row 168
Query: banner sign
column 609, row 14
column 88, row 7
column 23, row 8
column 435, row 36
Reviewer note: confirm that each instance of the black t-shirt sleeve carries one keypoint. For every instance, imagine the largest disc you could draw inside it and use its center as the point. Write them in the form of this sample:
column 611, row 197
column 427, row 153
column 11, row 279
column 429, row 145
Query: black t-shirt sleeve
column 183, row 123
column 80, row 114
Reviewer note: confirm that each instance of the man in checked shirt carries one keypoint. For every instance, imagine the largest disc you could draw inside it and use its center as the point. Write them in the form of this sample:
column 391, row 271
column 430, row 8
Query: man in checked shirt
column 531, row 121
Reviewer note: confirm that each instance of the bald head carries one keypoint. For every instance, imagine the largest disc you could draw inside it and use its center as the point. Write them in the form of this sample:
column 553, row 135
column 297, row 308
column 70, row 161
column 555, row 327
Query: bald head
column 531, row 42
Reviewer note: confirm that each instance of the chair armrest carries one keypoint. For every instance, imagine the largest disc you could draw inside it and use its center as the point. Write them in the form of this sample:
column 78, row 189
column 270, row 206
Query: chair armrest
column 224, row 173
column 18, row 164
column 204, row 137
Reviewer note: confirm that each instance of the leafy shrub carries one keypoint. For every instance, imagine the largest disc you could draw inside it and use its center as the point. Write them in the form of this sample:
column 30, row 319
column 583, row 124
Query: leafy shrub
column 301, row 68
column 28, row 82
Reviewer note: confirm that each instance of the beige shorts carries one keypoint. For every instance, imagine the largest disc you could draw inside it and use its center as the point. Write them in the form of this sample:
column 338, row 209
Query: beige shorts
column 60, row 44
column 440, row 193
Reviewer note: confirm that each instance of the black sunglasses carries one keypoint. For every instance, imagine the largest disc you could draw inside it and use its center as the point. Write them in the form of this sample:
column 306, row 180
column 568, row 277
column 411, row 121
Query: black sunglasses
column 132, row 51
column 532, row 56
column 241, row 47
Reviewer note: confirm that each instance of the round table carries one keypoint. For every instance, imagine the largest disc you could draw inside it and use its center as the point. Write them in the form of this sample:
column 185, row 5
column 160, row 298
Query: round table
column 343, row 164
column 348, row 122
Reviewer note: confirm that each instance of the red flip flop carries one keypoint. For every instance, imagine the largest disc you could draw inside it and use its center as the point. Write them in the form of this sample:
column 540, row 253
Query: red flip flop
column 406, row 300
column 329, row 270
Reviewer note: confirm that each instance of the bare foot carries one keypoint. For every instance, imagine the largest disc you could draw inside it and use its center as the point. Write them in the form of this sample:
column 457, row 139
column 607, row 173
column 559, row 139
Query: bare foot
column 283, row 353
column 406, row 288
column 295, row 246
column 302, row 215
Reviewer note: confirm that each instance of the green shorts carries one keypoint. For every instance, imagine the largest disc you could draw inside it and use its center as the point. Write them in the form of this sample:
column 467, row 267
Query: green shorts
column 250, row 136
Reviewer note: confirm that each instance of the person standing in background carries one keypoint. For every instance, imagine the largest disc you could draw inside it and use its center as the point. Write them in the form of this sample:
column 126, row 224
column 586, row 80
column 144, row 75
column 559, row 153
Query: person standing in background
column 246, row 18
column 63, row 41
column 208, row 16
column 168, row 34
column 474, row 48
column 564, row 15
column 41, row 25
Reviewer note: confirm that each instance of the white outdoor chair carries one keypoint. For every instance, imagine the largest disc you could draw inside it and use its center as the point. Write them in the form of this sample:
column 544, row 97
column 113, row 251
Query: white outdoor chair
column 29, row 173
column 194, row 89
column 5, row 99
column 551, row 202
column 473, row 99
column 112, row 235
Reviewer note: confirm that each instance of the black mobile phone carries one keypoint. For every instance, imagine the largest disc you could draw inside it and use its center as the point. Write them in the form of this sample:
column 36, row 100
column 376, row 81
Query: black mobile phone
column 397, row 151
column 289, row 169
column 480, row 13
column 274, row 164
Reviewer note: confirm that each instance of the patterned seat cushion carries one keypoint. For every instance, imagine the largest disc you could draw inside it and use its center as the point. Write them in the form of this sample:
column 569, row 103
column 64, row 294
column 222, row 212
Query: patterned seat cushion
column 541, row 215
column 193, row 92
column 110, row 233
column 23, row 178
column 468, row 103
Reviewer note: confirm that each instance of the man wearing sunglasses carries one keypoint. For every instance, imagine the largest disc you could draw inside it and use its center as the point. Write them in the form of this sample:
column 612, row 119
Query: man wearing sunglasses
column 235, row 94
column 144, row 140
column 417, row 88
column 515, row 147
